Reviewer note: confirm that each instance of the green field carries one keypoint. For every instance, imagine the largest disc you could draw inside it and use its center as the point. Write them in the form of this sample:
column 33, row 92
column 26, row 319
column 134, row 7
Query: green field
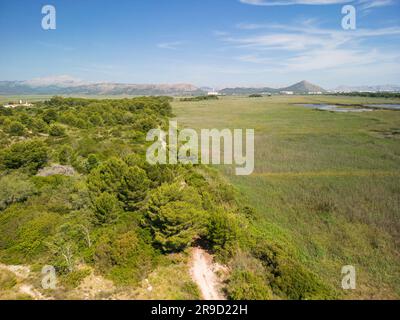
column 325, row 183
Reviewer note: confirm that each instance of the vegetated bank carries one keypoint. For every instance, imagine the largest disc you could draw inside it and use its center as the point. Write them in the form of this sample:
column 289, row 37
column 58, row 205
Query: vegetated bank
column 122, row 218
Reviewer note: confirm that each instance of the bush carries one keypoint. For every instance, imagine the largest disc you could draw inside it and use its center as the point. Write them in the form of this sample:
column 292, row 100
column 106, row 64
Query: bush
column 92, row 162
column 14, row 188
column 30, row 154
column 7, row 280
column 66, row 155
column 50, row 116
column 57, row 131
column 247, row 285
column 125, row 257
column 222, row 230
column 288, row 277
column 16, row 128
column 73, row 279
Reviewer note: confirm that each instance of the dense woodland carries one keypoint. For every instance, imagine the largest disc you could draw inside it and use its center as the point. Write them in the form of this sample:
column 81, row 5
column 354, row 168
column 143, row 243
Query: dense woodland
column 119, row 215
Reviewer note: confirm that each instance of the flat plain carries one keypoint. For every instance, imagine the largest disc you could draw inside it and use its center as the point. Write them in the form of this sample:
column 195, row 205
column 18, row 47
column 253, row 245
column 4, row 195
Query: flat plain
column 326, row 184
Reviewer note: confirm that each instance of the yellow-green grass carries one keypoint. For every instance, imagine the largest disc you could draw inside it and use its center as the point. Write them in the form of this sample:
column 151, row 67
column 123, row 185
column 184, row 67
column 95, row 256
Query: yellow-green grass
column 329, row 183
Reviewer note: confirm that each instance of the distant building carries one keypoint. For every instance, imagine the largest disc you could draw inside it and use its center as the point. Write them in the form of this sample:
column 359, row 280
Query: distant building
column 287, row 92
column 213, row 93
column 315, row 93
column 19, row 104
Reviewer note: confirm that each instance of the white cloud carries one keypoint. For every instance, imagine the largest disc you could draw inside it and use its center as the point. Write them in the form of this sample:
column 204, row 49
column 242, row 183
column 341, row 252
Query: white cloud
column 170, row 45
column 369, row 4
column 305, row 47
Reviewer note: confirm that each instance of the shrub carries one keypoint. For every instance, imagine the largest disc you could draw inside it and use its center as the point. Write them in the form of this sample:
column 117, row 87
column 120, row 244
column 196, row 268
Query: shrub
column 16, row 128
column 125, row 257
column 14, row 188
column 50, row 116
column 39, row 125
column 222, row 230
column 288, row 277
column 66, row 155
column 73, row 279
column 57, row 131
column 92, row 162
column 248, row 285
column 7, row 280
column 30, row 154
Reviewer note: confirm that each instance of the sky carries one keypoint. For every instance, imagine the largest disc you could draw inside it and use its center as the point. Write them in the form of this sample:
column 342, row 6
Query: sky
column 214, row 43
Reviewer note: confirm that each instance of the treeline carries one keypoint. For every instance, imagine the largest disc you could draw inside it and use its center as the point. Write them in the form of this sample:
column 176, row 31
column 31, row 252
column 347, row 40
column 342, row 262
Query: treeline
column 200, row 98
column 370, row 94
column 120, row 215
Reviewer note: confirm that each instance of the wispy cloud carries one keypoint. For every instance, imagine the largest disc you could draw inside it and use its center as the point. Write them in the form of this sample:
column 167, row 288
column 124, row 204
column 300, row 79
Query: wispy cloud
column 306, row 47
column 369, row 4
column 170, row 45
column 291, row 2
column 365, row 4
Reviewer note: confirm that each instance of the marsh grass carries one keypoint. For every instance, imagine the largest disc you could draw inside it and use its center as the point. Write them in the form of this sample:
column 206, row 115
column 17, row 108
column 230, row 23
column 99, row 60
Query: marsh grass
column 325, row 183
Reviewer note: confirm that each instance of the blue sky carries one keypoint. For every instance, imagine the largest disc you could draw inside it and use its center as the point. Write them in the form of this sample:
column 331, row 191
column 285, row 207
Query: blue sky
column 204, row 42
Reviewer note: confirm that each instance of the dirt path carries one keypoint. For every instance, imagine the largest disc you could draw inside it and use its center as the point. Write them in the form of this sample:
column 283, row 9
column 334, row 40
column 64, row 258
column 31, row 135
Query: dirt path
column 203, row 273
column 22, row 274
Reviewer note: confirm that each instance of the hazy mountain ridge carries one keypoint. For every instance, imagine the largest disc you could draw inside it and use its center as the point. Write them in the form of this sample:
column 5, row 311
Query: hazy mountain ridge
column 377, row 88
column 298, row 88
column 65, row 85
column 73, row 87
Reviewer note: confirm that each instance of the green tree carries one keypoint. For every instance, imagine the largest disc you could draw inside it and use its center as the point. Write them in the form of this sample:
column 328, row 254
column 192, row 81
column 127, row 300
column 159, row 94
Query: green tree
column 29, row 154
column 92, row 162
column 175, row 216
column 39, row 125
column 129, row 184
column 16, row 128
column 57, row 131
column 66, row 155
column 96, row 120
column 222, row 229
column 135, row 188
column 50, row 116
column 106, row 208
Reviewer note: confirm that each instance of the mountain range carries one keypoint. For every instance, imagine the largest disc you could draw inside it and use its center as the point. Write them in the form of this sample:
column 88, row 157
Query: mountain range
column 65, row 85
column 298, row 88
column 381, row 88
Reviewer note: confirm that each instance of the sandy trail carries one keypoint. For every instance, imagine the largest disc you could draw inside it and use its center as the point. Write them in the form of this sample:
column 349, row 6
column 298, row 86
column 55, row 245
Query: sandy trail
column 22, row 273
column 203, row 273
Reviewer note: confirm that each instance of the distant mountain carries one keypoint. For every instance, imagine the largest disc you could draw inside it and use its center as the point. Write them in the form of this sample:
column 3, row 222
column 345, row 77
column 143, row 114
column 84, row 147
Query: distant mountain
column 247, row 91
column 378, row 88
column 303, row 87
column 65, row 85
column 298, row 88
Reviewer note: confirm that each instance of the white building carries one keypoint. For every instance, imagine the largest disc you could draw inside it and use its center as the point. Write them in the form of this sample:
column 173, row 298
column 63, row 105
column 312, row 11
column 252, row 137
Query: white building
column 287, row 92
column 20, row 104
